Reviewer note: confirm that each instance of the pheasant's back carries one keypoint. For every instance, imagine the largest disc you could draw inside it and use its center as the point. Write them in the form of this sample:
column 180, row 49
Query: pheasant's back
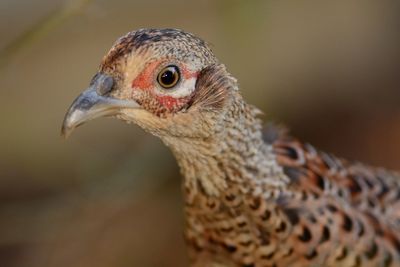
column 330, row 213
column 346, row 212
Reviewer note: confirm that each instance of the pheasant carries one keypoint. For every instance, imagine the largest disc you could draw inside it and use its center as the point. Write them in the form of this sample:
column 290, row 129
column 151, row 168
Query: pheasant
column 253, row 196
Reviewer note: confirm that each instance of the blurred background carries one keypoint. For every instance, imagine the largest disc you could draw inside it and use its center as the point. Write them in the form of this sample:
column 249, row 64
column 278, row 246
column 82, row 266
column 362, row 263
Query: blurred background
column 110, row 195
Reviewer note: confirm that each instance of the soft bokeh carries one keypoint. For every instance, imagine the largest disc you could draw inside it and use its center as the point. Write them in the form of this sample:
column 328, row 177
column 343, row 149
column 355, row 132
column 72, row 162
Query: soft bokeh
column 110, row 195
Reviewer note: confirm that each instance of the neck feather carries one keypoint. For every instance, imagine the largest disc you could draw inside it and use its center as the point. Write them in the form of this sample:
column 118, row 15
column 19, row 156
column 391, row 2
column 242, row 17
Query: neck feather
column 234, row 154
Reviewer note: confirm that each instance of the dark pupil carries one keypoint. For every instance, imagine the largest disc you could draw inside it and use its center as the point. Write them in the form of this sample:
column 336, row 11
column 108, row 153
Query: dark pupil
column 168, row 77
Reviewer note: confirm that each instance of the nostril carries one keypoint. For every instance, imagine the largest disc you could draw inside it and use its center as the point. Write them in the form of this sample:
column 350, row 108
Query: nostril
column 104, row 84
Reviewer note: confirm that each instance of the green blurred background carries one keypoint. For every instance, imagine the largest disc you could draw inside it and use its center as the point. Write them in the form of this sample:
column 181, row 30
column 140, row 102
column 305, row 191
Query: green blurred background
column 110, row 195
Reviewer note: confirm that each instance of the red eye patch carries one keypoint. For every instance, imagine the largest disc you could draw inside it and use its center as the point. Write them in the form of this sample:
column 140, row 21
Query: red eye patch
column 145, row 79
column 171, row 103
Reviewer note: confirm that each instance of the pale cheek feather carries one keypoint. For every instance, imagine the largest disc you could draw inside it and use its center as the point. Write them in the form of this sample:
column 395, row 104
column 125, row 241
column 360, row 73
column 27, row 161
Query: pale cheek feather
column 185, row 88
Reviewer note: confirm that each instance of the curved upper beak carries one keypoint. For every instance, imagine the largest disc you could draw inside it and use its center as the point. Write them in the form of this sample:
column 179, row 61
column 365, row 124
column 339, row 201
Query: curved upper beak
column 93, row 103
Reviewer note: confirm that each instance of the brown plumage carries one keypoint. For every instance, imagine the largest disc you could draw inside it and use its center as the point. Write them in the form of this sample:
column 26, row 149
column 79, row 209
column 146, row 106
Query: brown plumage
column 253, row 197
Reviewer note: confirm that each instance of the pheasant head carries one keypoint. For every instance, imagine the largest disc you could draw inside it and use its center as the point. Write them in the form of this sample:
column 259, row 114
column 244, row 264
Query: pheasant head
column 167, row 81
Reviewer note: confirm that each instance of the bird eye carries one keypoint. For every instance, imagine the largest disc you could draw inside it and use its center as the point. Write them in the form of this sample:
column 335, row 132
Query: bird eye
column 168, row 77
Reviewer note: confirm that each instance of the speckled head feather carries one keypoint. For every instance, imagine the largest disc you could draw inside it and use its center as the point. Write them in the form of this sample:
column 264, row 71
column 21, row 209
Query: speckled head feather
column 168, row 42
column 136, row 58
column 203, row 89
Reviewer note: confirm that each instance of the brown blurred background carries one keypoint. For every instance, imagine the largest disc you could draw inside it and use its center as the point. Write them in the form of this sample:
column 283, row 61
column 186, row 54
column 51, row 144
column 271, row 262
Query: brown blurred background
column 110, row 195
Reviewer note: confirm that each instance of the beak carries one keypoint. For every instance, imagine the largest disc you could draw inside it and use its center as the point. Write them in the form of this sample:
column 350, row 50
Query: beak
column 93, row 103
